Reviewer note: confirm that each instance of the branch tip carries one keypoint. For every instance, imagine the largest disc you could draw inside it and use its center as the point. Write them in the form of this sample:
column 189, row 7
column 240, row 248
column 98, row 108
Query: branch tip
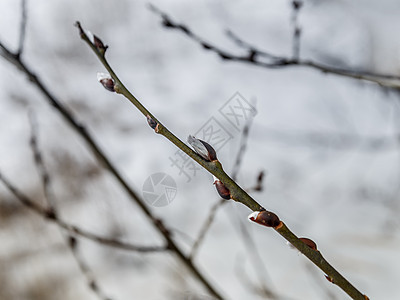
column 78, row 25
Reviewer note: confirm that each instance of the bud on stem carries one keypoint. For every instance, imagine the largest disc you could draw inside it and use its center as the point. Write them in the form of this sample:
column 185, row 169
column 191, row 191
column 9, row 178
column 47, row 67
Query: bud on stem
column 310, row 243
column 106, row 80
column 222, row 189
column 153, row 124
column 99, row 45
column 202, row 148
column 266, row 218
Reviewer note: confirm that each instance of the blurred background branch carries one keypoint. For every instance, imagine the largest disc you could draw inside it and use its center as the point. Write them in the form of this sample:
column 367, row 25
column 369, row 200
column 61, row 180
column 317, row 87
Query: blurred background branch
column 328, row 145
column 254, row 55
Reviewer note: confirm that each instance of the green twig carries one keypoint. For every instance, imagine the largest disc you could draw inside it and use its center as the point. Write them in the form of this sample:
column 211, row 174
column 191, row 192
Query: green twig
column 215, row 168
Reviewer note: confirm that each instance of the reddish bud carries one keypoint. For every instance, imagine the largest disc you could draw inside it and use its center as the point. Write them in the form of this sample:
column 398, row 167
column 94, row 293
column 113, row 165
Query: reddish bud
column 309, row 243
column 265, row 218
column 202, row 148
column 152, row 123
column 99, row 44
column 106, row 81
column 222, row 189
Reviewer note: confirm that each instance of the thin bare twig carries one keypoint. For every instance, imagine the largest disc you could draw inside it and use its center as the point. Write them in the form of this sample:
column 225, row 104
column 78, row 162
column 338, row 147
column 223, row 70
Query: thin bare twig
column 210, row 162
column 205, row 227
column 22, row 29
column 69, row 239
column 213, row 210
column 242, row 148
column 257, row 262
column 38, row 159
column 296, row 6
column 85, row 269
column 253, row 287
column 68, row 116
column 51, row 216
column 258, row 187
column 254, row 56
column 327, row 293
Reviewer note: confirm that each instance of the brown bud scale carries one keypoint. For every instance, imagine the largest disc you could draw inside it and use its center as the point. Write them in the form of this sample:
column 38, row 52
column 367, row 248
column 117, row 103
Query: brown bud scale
column 309, row 243
column 266, row 218
column 212, row 155
column 205, row 150
column 99, row 44
column 153, row 124
column 222, row 190
column 108, row 84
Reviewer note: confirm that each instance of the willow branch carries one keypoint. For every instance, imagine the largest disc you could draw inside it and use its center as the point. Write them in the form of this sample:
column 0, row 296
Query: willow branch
column 214, row 167
column 213, row 211
column 15, row 59
column 254, row 56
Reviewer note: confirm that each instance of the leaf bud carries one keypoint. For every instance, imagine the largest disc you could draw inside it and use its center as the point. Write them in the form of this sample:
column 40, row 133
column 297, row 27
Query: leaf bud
column 310, row 243
column 106, row 80
column 202, row 148
column 222, row 190
column 265, row 218
column 152, row 123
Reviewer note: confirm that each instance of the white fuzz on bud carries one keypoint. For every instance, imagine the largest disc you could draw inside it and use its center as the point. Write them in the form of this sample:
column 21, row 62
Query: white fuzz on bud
column 202, row 148
column 253, row 216
column 106, row 80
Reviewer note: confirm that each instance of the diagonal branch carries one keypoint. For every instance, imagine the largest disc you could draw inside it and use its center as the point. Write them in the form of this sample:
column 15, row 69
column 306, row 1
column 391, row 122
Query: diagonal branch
column 235, row 192
column 69, row 239
column 213, row 211
column 14, row 59
column 255, row 56
column 49, row 215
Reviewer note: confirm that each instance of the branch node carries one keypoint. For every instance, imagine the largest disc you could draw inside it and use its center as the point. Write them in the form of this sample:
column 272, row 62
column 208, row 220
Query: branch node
column 50, row 214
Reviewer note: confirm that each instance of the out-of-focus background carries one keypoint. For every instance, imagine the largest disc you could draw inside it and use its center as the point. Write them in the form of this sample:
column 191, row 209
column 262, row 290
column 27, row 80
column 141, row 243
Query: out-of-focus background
column 329, row 147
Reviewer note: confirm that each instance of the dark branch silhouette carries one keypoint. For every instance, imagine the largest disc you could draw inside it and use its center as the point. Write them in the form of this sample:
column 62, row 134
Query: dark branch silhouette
column 255, row 56
column 213, row 211
column 70, row 240
column 48, row 214
column 52, row 100
column 22, row 29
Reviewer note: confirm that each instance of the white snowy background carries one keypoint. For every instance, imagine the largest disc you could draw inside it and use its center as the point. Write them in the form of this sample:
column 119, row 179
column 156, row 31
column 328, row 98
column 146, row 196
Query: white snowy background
column 311, row 136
